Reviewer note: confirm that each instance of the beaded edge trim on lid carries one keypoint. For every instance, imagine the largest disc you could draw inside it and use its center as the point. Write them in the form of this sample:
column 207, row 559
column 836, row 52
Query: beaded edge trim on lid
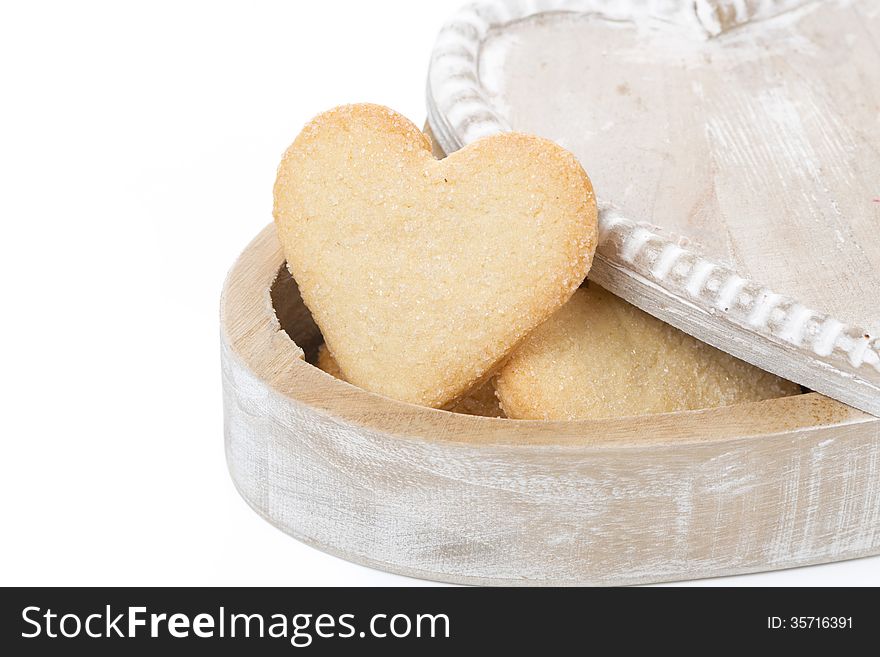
column 633, row 259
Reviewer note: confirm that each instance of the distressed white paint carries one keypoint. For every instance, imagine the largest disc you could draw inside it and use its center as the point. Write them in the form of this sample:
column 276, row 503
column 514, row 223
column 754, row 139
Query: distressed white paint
column 745, row 142
column 433, row 494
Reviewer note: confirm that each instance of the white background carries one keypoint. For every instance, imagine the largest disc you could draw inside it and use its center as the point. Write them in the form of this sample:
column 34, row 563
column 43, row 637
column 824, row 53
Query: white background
column 138, row 147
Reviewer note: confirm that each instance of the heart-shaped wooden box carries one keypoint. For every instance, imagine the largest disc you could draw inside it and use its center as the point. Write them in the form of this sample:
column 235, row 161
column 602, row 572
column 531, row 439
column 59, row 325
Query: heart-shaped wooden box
column 744, row 488
column 478, row 500
column 733, row 146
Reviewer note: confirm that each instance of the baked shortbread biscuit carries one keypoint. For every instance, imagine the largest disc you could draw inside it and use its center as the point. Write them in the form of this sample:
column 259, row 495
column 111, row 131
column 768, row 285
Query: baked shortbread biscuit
column 424, row 274
column 601, row 357
column 481, row 401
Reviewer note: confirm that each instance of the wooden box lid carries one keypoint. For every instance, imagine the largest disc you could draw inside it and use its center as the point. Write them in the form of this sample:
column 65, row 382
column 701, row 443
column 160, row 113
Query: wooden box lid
column 735, row 151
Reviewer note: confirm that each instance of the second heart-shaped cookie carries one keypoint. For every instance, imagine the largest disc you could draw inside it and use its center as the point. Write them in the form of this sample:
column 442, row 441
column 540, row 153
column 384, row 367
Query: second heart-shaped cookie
column 424, row 274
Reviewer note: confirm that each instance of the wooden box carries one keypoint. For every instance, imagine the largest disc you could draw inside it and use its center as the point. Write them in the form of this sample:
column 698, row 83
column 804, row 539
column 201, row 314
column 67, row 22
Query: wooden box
column 451, row 497
column 733, row 148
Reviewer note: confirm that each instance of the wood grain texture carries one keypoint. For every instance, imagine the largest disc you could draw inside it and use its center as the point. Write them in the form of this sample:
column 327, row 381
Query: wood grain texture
column 457, row 498
column 737, row 167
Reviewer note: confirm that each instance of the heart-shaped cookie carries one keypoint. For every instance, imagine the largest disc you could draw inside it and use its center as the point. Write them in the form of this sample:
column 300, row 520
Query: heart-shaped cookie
column 424, row 274
column 479, row 401
column 601, row 357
